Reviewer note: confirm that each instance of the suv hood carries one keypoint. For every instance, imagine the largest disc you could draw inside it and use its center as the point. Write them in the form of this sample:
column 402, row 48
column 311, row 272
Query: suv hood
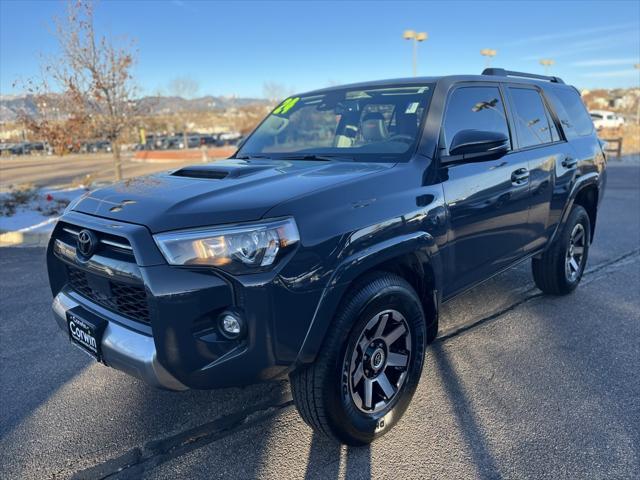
column 228, row 191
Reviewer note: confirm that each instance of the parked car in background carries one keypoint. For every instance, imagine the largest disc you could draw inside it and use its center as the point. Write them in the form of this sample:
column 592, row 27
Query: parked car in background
column 606, row 119
column 103, row 146
column 5, row 148
column 22, row 148
column 174, row 143
column 208, row 140
column 95, row 146
column 228, row 138
column 193, row 141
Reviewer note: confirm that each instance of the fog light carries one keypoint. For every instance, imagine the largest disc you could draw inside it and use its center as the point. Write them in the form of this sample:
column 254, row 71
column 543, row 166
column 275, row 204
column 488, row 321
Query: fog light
column 230, row 325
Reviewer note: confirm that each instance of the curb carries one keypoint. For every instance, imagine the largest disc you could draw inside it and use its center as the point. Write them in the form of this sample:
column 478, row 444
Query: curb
column 24, row 239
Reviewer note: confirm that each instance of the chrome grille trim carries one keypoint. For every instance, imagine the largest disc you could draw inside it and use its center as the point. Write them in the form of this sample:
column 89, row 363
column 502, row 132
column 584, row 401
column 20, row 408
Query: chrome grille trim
column 117, row 245
column 111, row 243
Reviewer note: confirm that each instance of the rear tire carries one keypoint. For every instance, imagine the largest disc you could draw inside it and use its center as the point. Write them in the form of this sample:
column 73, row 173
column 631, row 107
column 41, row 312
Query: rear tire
column 370, row 363
column 560, row 269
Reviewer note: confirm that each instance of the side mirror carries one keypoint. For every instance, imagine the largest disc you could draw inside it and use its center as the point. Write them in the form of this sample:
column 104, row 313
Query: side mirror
column 479, row 142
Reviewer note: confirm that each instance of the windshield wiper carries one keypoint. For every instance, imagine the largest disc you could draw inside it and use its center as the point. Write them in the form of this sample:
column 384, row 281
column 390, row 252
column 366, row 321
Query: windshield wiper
column 320, row 158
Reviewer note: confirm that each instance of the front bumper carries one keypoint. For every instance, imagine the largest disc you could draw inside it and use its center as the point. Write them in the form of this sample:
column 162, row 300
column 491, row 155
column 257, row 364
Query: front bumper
column 123, row 349
column 176, row 344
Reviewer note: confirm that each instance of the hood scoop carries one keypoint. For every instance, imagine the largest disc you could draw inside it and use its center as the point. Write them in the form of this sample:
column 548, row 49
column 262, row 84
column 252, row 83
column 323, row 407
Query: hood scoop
column 219, row 172
column 196, row 172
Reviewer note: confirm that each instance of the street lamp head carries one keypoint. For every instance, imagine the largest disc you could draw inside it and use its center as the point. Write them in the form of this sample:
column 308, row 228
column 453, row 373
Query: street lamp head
column 409, row 34
column 488, row 52
column 421, row 37
column 547, row 62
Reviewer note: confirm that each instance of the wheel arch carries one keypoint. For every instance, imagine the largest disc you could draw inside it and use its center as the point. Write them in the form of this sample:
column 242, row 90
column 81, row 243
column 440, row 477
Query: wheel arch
column 587, row 197
column 414, row 257
column 586, row 190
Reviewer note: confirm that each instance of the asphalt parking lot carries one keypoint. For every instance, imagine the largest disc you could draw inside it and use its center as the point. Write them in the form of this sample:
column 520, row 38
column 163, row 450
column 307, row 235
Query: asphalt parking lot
column 54, row 171
column 518, row 385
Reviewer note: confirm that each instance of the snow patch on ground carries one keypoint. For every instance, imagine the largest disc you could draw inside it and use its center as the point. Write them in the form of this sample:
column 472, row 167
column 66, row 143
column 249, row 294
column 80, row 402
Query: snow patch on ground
column 40, row 212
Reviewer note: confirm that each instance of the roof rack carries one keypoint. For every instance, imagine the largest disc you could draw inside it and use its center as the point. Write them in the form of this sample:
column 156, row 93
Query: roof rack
column 501, row 72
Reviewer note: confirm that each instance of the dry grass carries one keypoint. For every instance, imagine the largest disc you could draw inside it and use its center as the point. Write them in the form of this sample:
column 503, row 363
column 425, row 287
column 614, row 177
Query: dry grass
column 18, row 196
column 630, row 134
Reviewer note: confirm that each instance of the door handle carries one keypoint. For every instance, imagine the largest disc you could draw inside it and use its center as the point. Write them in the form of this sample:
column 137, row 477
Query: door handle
column 520, row 176
column 569, row 162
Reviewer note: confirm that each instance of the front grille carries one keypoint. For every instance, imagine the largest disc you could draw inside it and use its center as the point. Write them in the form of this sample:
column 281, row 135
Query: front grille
column 108, row 244
column 124, row 299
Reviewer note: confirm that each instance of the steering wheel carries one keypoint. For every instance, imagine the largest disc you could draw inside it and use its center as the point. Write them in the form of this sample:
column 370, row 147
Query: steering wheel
column 401, row 138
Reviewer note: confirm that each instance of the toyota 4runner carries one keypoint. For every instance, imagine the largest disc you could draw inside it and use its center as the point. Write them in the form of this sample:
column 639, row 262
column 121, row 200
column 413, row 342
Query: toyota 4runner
column 325, row 246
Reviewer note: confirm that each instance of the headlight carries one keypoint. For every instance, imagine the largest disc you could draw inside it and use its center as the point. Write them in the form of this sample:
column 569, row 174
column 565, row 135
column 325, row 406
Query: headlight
column 237, row 248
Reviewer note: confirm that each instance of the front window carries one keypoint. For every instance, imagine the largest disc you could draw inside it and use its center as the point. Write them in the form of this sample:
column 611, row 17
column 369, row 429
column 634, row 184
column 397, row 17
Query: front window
column 377, row 124
column 474, row 108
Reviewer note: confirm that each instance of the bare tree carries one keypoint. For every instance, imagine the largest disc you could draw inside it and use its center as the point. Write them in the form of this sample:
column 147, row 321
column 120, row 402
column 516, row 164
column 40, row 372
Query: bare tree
column 61, row 119
column 99, row 70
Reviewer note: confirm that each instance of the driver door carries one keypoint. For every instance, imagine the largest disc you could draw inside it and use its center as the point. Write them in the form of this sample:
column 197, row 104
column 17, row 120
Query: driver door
column 488, row 200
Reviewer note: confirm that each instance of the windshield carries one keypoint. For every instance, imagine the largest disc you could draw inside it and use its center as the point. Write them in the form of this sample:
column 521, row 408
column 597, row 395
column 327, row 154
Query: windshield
column 377, row 124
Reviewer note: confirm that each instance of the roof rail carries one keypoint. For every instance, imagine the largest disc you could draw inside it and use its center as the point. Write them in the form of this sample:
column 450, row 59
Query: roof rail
column 501, row 72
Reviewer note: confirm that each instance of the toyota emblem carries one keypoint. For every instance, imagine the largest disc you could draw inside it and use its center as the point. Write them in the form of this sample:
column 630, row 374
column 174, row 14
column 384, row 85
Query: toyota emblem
column 86, row 243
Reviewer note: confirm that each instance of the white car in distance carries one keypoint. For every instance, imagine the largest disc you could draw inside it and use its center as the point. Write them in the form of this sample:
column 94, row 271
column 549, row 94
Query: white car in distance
column 606, row 119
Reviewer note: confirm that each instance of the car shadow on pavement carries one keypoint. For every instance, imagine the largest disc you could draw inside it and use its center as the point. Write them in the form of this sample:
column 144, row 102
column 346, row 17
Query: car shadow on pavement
column 472, row 432
column 34, row 353
column 325, row 459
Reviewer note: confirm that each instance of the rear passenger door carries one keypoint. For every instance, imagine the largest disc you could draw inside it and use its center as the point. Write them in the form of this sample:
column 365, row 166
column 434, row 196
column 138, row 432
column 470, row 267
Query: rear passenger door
column 488, row 200
column 548, row 157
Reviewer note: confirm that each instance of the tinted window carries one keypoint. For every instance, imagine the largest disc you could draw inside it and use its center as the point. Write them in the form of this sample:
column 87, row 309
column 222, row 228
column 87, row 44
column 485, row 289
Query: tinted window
column 555, row 135
column 532, row 123
column 474, row 108
column 573, row 115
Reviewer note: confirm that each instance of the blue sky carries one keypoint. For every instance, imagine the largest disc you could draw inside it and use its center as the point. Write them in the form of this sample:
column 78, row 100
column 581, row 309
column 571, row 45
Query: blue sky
column 235, row 47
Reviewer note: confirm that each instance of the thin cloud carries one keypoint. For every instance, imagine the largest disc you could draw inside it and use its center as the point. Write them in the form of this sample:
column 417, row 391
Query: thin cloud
column 183, row 4
column 591, row 45
column 605, row 62
column 612, row 74
column 571, row 34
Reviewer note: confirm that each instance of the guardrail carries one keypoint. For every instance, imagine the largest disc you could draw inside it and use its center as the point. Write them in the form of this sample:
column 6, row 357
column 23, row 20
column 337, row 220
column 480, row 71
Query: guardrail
column 611, row 148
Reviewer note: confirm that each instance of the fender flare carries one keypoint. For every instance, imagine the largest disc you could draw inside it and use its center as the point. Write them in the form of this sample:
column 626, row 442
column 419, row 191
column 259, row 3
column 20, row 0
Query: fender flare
column 581, row 183
column 351, row 268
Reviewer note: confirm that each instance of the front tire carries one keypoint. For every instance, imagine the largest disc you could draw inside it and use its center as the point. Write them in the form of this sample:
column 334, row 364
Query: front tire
column 560, row 269
column 368, row 369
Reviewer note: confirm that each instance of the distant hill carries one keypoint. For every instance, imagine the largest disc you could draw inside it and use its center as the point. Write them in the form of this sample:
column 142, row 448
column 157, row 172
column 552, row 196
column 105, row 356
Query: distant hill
column 11, row 106
column 165, row 105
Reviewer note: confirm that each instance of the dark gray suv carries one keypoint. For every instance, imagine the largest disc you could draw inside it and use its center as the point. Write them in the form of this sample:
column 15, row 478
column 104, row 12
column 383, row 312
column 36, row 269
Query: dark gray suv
column 325, row 247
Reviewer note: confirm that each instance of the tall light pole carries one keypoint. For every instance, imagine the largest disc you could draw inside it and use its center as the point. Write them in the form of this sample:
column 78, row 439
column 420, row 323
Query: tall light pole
column 547, row 63
column 416, row 37
column 488, row 53
column 637, row 67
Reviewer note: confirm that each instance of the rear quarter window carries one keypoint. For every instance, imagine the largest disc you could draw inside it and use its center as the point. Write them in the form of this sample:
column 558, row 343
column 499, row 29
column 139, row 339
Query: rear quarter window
column 531, row 119
column 573, row 115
